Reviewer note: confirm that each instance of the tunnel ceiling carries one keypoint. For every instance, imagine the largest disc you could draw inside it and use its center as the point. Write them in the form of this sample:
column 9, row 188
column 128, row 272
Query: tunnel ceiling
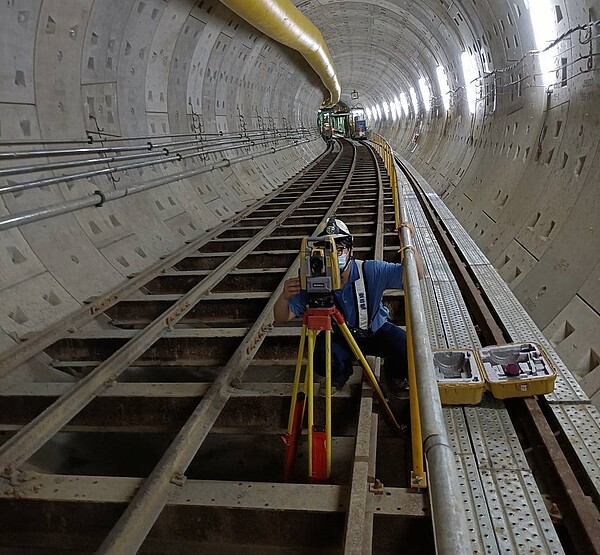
column 381, row 47
column 518, row 170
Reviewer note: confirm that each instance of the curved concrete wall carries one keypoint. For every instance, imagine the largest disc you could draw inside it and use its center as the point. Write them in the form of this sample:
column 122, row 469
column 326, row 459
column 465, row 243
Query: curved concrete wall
column 520, row 174
column 133, row 68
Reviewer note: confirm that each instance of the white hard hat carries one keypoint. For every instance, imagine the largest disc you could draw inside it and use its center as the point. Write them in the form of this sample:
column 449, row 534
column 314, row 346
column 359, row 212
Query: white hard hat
column 337, row 229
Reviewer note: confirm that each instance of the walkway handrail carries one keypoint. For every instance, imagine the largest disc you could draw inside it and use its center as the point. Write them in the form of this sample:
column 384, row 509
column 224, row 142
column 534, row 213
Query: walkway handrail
column 386, row 153
column 418, row 477
column 447, row 505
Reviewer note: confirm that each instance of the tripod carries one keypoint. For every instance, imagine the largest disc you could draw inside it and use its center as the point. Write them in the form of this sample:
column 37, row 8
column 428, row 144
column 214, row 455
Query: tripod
column 314, row 321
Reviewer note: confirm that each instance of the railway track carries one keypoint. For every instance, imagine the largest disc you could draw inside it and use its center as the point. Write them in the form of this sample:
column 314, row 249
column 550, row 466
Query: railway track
column 161, row 430
column 178, row 385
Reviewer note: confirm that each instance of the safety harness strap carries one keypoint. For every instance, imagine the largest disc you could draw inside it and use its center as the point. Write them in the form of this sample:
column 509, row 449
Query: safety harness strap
column 362, row 303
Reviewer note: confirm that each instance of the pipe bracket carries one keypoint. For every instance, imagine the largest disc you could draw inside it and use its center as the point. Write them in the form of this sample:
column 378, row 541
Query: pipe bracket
column 102, row 196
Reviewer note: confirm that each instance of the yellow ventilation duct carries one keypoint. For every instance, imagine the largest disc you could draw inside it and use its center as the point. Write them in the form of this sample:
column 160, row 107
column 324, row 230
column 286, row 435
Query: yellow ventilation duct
column 281, row 20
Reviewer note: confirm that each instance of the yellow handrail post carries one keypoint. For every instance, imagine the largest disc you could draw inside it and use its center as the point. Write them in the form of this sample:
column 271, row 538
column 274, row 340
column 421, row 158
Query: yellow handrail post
column 418, row 476
column 418, row 479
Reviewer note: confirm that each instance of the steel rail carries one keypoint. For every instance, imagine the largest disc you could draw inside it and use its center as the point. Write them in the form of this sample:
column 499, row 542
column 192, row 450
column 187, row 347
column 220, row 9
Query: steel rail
column 177, row 157
column 134, row 525
column 99, row 198
column 447, row 507
column 358, row 534
column 26, row 442
column 149, row 145
column 19, row 354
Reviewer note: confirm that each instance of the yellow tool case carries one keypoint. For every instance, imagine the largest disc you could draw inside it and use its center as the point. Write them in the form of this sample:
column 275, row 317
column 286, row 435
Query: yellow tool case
column 517, row 370
column 459, row 376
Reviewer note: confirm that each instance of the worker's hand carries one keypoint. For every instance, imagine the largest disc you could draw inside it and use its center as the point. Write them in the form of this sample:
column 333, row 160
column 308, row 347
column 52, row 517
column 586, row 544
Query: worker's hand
column 409, row 226
column 291, row 287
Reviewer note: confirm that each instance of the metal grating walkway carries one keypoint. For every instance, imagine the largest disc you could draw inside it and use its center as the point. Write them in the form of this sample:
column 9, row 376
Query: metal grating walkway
column 577, row 417
column 504, row 506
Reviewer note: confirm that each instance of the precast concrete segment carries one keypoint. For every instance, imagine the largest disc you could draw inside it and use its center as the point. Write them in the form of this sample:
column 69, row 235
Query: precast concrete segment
column 21, row 446
column 19, row 354
column 281, row 20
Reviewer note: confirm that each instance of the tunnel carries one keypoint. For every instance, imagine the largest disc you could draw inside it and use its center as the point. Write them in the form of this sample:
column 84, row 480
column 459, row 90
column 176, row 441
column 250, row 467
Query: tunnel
column 148, row 145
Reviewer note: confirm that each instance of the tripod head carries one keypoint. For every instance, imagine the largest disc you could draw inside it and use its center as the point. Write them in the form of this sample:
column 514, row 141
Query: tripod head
column 319, row 270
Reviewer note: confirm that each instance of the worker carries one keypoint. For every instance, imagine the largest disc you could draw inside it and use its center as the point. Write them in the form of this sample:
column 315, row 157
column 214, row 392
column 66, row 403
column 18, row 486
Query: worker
column 368, row 321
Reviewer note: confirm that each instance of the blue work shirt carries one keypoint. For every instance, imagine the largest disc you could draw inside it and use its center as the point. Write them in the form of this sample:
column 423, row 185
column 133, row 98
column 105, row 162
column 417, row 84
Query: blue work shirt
column 379, row 276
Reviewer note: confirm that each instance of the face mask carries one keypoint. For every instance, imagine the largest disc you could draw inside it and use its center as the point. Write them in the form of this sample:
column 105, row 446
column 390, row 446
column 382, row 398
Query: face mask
column 342, row 261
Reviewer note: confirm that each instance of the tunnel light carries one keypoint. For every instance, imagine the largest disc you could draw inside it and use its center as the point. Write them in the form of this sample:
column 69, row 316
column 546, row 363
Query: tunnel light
column 425, row 93
column 386, row 109
column 471, row 76
column 378, row 108
column 544, row 29
column 398, row 107
column 414, row 99
column 368, row 113
column 394, row 110
column 444, row 87
column 404, row 104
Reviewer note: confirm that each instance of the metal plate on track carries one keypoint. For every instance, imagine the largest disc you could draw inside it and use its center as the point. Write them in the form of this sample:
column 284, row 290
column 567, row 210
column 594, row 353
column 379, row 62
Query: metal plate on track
column 432, row 315
column 519, row 517
column 495, row 441
column 581, row 425
column 500, row 492
column 476, row 510
column 458, row 327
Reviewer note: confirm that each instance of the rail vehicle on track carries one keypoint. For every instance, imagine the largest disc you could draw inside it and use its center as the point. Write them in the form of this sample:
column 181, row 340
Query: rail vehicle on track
column 342, row 121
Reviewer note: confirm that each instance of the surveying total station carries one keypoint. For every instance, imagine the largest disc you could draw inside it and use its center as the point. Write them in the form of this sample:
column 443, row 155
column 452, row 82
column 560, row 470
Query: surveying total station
column 320, row 277
column 319, row 270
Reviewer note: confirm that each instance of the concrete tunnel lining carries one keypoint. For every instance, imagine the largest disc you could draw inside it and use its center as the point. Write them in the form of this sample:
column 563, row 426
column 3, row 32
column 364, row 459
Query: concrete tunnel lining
column 142, row 67
column 145, row 73
column 518, row 174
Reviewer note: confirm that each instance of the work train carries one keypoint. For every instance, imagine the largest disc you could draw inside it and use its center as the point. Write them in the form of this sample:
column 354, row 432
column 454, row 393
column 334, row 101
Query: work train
column 342, row 121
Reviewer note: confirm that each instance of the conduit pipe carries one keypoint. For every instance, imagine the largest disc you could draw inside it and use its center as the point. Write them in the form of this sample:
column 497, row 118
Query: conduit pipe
column 198, row 150
column 283, row 22
column 99, row 198
column 199, row 139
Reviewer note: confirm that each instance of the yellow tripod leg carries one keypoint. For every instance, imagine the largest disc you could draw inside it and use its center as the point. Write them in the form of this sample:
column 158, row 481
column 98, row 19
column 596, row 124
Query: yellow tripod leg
column 418, row 478
column 312, row 334
column 371, row 377
column 328, row 398
column 297, row 378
